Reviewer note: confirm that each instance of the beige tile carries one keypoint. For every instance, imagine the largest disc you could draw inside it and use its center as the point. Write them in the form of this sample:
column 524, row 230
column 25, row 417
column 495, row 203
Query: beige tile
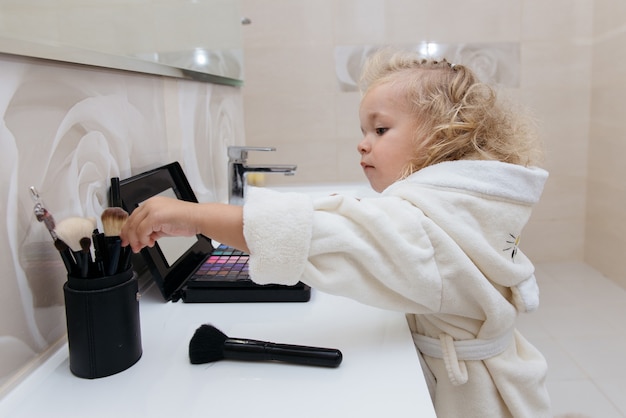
column 579, row 379
column 359, row 22
column 580, row 397
column 564, row 273
column 287, row 23
column 605, row 243
column 600, row 366
column 608, row 17
column 564, row 197
column 606, row 162
column 607, row 112
column 557, row 20
column 347, row 116
column 614, row 389
column 606, row 206
column 609, row 59
column 559, row 112
column 409, row 22
column 566, row 154
column 304, row 73
column 316, row 160
column 563, row 121
column 560, row 365
column 348, row 162
column 605, row 256
column 574, row 322
column 453, row 21
column 553, row 64
column 553, row 239
column 275, row 119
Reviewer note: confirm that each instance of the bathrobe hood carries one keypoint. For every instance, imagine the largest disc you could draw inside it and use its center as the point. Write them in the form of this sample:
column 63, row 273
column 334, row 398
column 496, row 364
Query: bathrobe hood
column 488, row 204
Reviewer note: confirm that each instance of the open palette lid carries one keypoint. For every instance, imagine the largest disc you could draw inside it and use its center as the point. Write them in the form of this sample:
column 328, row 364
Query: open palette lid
column 173, row 263
column 174, row 260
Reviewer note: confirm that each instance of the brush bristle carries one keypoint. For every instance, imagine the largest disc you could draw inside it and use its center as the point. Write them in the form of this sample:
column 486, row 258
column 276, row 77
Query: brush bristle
column 60, row 245
column 66, row 255
column 207, row 345
column 72, row 230
column 85, row 244
column 113, row 220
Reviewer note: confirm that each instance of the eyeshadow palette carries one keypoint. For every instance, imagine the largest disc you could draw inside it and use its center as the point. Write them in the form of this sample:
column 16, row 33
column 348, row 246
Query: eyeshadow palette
column 225, row 265
column 194, row 269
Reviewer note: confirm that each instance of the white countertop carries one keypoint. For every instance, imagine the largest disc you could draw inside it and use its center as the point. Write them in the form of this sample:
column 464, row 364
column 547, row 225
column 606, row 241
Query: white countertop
column 380, row 374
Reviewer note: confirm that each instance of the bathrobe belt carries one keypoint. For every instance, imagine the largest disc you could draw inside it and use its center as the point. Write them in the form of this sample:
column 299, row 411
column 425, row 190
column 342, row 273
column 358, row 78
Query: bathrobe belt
column 455, row 353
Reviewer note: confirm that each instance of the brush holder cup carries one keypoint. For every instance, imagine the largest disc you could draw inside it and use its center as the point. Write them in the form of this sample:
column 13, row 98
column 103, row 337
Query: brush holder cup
column 103, row 329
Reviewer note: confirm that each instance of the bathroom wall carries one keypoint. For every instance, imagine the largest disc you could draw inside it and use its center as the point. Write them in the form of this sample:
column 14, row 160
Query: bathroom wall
column 605, row 238
column 67, row 129
column 293, row 99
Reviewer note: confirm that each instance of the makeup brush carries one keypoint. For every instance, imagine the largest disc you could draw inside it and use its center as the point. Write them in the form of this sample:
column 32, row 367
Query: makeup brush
column 113, row 220
column 100, row 251
column 41, row 213
column 209, row 344
column 71, row 231
column 85, row 245
column 66, row 255
column 115, row 198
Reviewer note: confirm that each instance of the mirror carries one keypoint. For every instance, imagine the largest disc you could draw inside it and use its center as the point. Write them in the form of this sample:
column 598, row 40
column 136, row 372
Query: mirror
column 198, row 39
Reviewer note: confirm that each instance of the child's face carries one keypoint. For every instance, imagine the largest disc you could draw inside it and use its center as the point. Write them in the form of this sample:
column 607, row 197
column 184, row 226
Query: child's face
column 388, row 135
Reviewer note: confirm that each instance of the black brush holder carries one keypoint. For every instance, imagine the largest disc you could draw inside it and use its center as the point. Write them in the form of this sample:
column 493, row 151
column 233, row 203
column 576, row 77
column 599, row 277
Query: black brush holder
column 103, row 328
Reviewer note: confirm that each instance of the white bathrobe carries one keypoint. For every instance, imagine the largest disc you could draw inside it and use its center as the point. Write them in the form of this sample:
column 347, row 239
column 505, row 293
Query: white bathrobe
column 441, row 246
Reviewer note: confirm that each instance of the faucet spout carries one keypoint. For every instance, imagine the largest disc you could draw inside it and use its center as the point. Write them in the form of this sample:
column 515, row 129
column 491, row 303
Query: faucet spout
column 238, row 168
column 286, row 169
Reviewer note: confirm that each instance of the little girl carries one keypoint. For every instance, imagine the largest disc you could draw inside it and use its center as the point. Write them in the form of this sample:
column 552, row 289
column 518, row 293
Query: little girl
column 457, row 176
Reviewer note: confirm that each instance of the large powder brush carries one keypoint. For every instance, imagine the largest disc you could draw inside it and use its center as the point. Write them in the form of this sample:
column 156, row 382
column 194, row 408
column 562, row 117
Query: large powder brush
column 75, row 233
column 209, row 344
column 113, row 219
column 72, row 230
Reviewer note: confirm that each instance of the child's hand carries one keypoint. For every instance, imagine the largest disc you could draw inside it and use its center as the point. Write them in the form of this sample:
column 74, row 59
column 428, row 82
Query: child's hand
column 159, row 217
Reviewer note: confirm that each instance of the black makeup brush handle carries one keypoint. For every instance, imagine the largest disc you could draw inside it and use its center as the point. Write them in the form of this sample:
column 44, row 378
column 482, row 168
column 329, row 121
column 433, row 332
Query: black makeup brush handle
column 113, row 247
column 252, row 350
column 82, row 264
column 100, row 247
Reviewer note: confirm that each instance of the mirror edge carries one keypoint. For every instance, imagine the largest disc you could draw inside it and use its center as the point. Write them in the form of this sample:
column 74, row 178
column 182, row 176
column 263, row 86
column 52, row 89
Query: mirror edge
column 67, row 54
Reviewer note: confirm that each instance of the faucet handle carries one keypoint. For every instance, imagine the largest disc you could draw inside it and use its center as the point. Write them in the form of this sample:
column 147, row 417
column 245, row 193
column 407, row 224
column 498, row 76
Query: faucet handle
column 236, row 153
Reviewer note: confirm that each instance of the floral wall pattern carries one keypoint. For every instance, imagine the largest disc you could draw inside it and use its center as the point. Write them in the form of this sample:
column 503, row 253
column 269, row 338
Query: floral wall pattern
column 67, row 130
column 494, row 62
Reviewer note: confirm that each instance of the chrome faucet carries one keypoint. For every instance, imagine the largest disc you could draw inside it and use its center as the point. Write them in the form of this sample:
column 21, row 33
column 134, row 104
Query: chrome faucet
column 238, row 167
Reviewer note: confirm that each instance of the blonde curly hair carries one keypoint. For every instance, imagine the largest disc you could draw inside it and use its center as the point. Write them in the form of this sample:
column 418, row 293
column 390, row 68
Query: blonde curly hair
column 458, row 117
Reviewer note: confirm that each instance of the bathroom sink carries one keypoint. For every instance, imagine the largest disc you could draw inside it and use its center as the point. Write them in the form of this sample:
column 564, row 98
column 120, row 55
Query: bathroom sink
column 320, row 190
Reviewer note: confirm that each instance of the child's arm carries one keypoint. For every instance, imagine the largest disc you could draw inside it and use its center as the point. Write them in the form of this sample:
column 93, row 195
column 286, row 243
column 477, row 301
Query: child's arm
column 162, row 216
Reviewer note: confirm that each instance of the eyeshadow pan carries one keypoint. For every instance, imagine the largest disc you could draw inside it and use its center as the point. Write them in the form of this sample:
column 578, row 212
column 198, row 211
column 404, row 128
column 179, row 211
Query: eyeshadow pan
column 225, row 263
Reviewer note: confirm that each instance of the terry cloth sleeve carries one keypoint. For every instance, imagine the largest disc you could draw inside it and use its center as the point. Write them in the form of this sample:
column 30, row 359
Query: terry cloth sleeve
column 377, row 251
column 277, row 229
